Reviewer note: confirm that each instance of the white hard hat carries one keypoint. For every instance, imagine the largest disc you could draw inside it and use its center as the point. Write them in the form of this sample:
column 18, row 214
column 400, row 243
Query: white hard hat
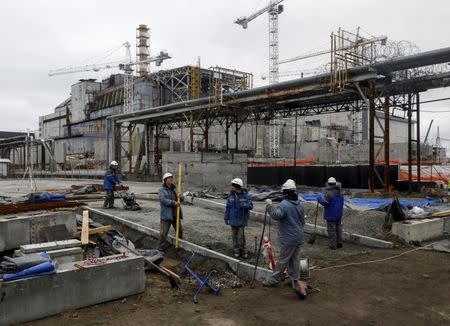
column 237, row 181
column 167, row 175
column 331, row 180
column 114, row 163
column 289, row 185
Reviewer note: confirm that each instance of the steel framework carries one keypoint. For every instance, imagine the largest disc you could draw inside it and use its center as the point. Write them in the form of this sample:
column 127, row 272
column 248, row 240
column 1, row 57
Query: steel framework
column 369, row 85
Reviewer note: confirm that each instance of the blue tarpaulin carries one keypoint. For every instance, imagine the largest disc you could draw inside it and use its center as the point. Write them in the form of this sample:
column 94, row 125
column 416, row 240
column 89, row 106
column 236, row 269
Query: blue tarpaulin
column 374, row 203
column 46, row 268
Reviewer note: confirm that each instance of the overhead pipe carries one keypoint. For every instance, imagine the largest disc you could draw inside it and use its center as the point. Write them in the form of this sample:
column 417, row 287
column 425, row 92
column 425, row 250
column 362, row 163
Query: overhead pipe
column 386, row 67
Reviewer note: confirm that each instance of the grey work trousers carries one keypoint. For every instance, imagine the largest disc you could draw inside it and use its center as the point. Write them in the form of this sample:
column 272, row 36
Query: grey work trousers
column 109, row 200
column 164, row 231
column 238, row 235
column 334, row 230
column 290, row 258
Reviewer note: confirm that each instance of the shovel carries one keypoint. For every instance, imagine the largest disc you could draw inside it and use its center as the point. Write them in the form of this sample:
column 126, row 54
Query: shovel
column 313, row 238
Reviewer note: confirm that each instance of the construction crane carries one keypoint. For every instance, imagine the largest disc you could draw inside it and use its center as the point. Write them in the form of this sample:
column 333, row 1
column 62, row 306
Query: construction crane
column 359, row 43
column 125, row 65
column 274, row 9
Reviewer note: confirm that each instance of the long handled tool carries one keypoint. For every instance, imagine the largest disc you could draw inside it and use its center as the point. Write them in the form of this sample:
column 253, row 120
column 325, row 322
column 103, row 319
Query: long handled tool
column 177, row 229
column 260, row 246
column 171, row 275
column 313, row 237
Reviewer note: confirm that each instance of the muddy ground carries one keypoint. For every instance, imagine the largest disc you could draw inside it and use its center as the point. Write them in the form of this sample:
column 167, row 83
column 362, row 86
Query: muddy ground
column 410, row 290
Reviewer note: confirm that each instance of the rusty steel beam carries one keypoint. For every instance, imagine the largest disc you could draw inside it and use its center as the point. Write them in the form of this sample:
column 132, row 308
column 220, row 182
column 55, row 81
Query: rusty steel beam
column 409, row 114
column 386, row 143
column 372, row 140
column 418, row 158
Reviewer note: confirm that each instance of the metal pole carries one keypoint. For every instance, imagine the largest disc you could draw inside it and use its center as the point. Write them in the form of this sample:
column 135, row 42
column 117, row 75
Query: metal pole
column 206, row 134
column 372, row 140
column 409, row 144
column 418, row 156
column 237, row 134
column 295, row 140
column 227, row 133
column 191, row 133
column 386, row 143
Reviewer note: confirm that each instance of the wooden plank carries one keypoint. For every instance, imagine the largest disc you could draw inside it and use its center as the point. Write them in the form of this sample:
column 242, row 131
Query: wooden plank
column 85, row 228
column 100, row 229
column 441, row 214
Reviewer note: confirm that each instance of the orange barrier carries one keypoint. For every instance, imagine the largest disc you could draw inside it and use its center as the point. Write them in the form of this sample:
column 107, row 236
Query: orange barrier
column 306, row 161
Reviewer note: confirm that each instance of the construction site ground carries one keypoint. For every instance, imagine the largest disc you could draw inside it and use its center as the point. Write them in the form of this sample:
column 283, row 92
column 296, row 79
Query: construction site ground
column 411, row 289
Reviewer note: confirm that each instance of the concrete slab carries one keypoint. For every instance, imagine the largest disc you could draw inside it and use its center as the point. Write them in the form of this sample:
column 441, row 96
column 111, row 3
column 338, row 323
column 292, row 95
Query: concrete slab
column 419, row 230
column 26, row 229
column 447, row 224
column 47, row 246
column 71, row 288
column 442, row 246
column 66, row 255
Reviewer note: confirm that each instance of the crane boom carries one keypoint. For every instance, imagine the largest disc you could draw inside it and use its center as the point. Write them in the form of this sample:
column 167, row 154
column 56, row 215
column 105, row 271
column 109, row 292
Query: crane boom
column 108, row 65
column 315, row 54
column 243, row 21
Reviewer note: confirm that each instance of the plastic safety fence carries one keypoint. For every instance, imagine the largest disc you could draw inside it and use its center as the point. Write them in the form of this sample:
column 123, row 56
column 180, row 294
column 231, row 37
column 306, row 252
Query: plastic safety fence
column 350, row 176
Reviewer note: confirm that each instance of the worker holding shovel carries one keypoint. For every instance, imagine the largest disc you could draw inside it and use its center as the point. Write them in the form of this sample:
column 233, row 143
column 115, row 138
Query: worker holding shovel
column 236, row 215
column 291, row 220
column 333, row 202
column 169, row 202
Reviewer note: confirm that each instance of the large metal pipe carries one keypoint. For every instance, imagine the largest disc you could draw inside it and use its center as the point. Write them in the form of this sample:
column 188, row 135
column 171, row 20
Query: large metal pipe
column 407, row 62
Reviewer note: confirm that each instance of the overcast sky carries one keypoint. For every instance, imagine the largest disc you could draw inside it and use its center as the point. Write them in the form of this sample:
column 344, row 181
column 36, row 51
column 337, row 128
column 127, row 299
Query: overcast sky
column 37, row 36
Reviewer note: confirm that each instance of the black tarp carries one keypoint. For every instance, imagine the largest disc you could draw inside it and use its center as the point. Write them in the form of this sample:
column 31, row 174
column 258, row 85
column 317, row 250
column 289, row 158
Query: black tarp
column 350, row 176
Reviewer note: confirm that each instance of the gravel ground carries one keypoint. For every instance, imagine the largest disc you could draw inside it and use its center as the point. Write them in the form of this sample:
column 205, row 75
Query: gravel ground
column 205, row 227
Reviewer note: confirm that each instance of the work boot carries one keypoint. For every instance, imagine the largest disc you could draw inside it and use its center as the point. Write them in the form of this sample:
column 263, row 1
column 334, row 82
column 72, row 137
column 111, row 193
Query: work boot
column 339, row 245
column 244, row 254
column 236, row 253
column 299, row 289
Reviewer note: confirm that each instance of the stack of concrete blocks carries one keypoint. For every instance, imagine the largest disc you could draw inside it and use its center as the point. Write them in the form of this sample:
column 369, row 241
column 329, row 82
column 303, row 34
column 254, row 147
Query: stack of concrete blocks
column 19, row 230
column 60, row 252
column 71, row 287
column 206, row 170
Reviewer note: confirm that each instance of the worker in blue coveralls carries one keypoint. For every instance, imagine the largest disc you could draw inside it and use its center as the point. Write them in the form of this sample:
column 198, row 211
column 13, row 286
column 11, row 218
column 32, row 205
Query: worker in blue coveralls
column 110, row 180
column 236, row 215
column 168, row 200
column 333, row 202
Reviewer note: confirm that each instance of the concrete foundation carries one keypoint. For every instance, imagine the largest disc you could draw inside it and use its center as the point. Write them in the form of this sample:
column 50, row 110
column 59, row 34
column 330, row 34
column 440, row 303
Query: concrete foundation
column 420, row 230
column 206, row 170
column 241, row 268
column 70, row 288
column 19, row 230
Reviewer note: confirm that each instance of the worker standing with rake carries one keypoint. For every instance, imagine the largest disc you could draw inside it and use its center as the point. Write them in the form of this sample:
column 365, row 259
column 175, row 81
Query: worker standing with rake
column 291, row 220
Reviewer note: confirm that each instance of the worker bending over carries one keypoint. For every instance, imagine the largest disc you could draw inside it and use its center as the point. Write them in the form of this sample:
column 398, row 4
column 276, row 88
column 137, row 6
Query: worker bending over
column 333, row 202
column 110, row 180
column 291, row 220
column 236, row 215
column 168, row 202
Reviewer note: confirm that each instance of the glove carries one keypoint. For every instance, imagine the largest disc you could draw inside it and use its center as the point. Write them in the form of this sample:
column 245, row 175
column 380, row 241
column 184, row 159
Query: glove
column 227, row 222
column 268, row 201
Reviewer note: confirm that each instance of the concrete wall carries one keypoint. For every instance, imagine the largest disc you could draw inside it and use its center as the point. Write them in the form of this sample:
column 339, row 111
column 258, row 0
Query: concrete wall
column 206, row 170
column 70, row 288
column 26, row 229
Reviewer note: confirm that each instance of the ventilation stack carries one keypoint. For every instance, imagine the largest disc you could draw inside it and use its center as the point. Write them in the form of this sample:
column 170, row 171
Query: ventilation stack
column 143, row 50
